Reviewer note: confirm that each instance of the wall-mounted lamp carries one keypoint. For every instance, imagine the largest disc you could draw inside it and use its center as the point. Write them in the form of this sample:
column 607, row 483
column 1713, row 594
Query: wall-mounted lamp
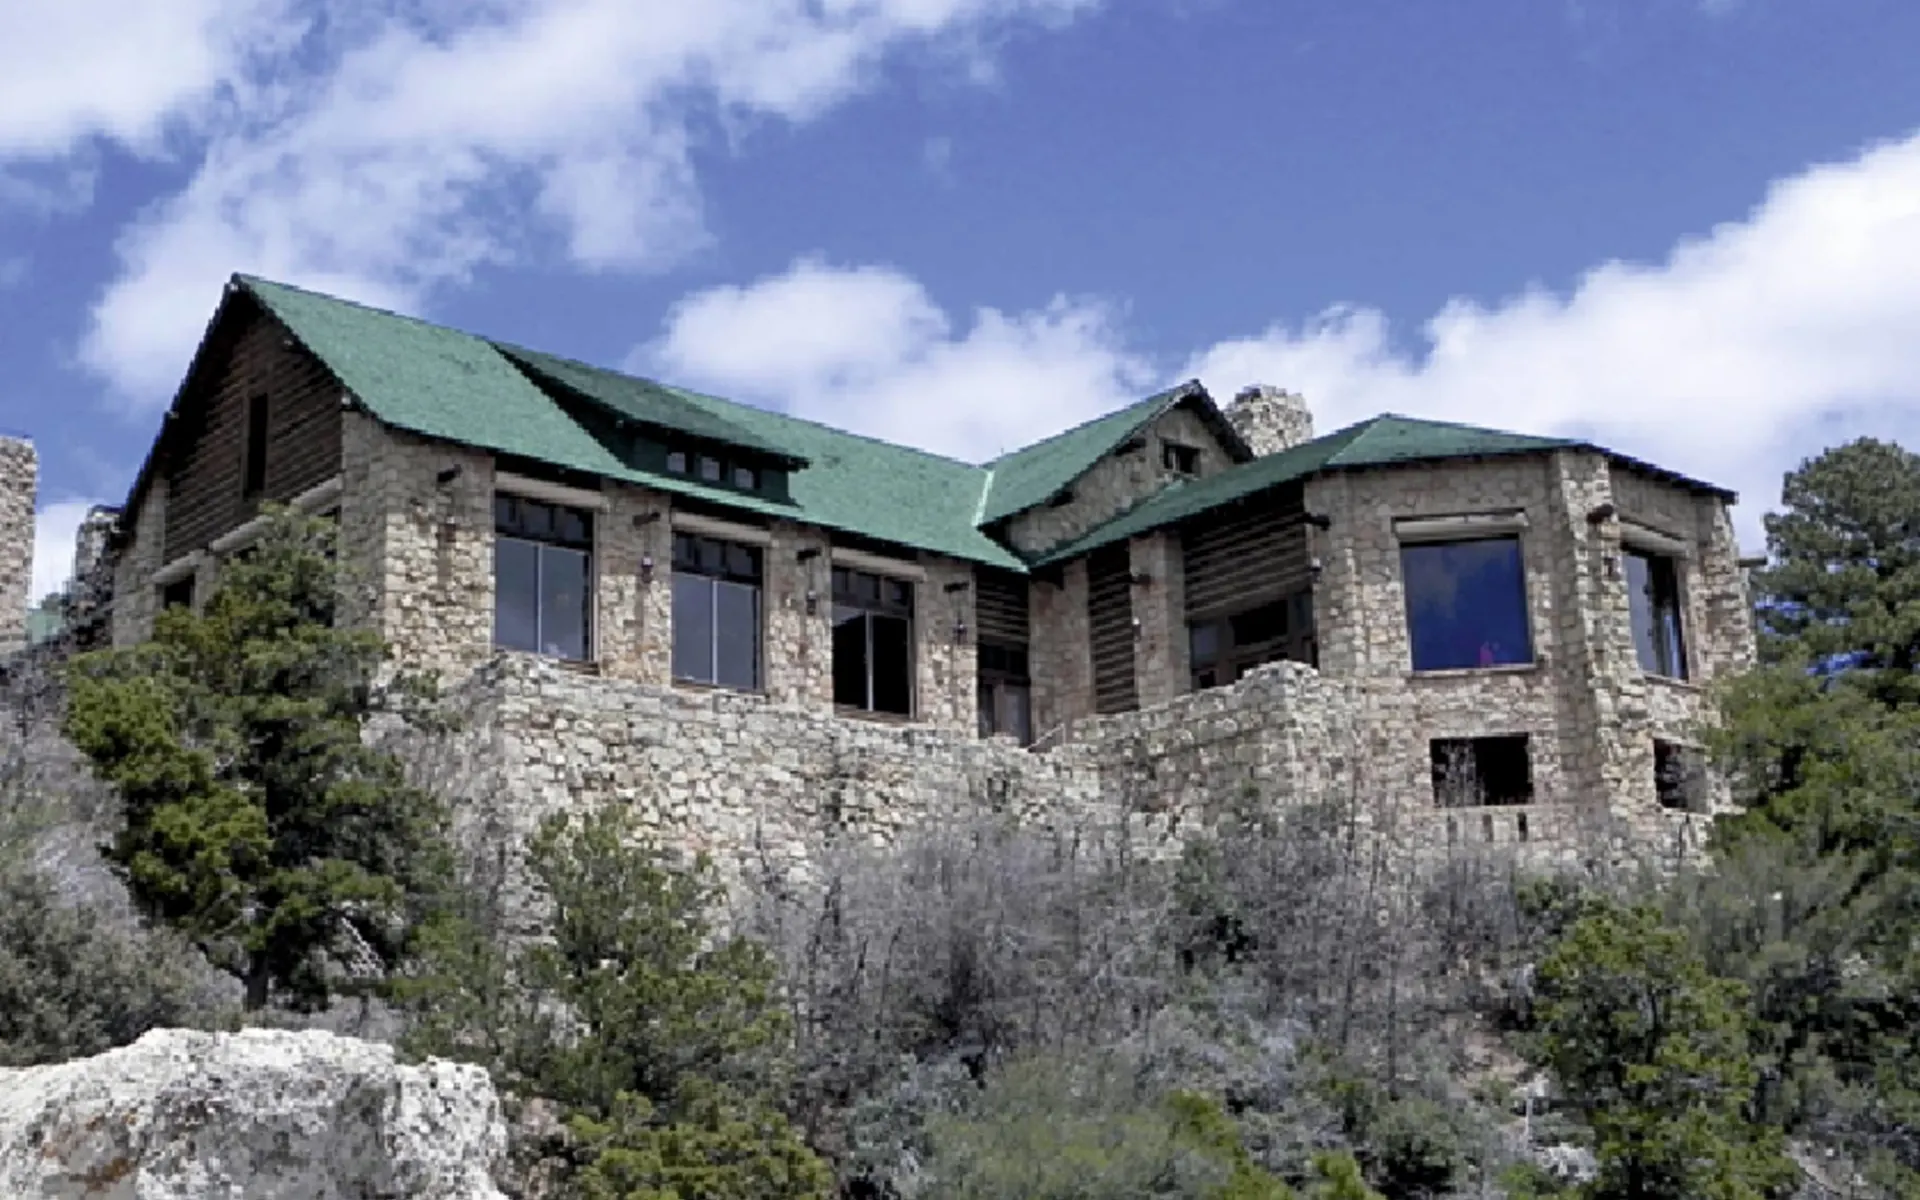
column 807, row 554
column 1600, row 514
column 448, row 474
column 813, row 602
column 1140, row 578
column 1315, row 566
column 646, row 568
column 1139, row 630
column 642, row 520
column 960, row 632
column 1319, row 520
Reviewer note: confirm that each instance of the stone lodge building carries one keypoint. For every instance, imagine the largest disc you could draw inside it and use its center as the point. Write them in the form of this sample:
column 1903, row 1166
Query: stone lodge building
column 1499, row 622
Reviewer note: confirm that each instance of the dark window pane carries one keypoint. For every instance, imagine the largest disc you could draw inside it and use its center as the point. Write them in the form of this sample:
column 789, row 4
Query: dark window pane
column 892, row 666
column 710, row 469
column 899, row 594
column 712, row 555
column 1466, row 604
column 1263, row 624
column 563, row 602
column 677, row 461
column 1205, row 679
column 516, row 595
column 866, row 588
column 573, row 527
column 693, row 628
column 1653, row 606
column 1017, row 712
column 743, row 562
column 986, row 717
column 1203, row 642
column 849, row 656
column 683, row 552
column 737, row 635
column 536, row 520
column 503, row 513
column 746, row 477
column 842, row 583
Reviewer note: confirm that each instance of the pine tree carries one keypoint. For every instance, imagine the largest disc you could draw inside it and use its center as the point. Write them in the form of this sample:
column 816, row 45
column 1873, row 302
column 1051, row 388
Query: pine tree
column 256, row 817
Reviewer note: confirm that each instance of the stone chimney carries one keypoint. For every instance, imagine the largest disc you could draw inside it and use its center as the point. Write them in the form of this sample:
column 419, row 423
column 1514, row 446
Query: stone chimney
column 19, row 483
column 1270, row 419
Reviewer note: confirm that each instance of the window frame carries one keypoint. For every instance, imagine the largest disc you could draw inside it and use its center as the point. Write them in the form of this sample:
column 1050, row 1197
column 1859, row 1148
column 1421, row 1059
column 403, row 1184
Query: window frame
column 687, row 566
column 1230, row 662
column 1180, row 458
column 555, row 542
column 1480, row 747
column 1665, row 644
column 845, row 599
column 1513, row 534
column 1004, row 670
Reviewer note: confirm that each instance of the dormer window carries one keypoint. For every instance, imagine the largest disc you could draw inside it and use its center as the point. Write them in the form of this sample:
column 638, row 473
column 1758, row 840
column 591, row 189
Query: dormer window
column 746, row 479
column 710, row 469
column 1181, row 460
column 677, row 461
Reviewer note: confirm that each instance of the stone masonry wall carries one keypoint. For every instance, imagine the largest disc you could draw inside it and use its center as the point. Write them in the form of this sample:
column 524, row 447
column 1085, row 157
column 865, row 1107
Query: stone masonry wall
column 1117, row 482
column 1161, row 660
column 19, row 488
column 135, row 602
column 1061, row 651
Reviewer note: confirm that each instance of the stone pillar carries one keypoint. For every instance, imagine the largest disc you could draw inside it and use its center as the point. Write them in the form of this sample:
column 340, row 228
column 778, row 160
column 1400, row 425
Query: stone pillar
column 134, row 600
column 418, row 548
column 1726, row 634
column 946, row 659
column 633, row 586
column 1270, row 419
column 1161, row 664
column 19, row 485
column 1062, row 650
column 799, row 623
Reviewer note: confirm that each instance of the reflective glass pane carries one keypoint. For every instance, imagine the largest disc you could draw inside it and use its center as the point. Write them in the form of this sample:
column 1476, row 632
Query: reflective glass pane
column 1640, row 614
column 693, row 628
column 1203, row 642
column 737, row 635
column 849, row 656
column 1466, row 604
column 516, row 595
column 892, row 666
column 1017, row 709
column 563, row 602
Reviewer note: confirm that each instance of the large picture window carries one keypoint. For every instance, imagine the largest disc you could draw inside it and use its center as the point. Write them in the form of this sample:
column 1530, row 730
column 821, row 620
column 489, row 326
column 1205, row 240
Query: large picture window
column 1466, row 604
column 872, row 642
column 542, row 565
column 1653, row 600
column 716, row 612
column 1223, row 650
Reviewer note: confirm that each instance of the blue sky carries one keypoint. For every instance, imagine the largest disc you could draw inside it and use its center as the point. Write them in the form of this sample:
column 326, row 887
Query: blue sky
column 1687, row 228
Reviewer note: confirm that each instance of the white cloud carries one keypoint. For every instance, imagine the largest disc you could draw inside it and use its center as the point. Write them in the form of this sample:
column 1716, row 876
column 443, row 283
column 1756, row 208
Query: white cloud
column 73, row 70
column 1739, row 355
column 866, row 349
column 1743, row 352
column 426, row 144
column 55, row 527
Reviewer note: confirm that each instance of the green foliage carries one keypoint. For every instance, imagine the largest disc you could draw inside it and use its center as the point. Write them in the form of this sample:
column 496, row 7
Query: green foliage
column 662, row 1037
column 1652, row 1050
column 1845, row 575
column 1339, row 1178
column 256, row 819
column 1084, row 1127
column 1410, row 1146
column 71, row 985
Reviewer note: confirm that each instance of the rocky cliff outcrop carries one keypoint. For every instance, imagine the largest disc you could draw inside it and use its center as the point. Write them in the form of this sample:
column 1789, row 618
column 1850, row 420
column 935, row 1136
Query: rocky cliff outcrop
column 260, row 1114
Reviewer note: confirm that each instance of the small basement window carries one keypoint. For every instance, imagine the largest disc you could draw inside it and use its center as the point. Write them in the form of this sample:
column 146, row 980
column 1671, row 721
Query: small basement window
column 178, row 594
column 1181, row 460
column 1478, row 771
column 1678, row 776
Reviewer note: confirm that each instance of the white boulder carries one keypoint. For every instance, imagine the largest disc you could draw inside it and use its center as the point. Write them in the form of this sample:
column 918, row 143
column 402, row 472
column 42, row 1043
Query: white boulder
column 260, row 1114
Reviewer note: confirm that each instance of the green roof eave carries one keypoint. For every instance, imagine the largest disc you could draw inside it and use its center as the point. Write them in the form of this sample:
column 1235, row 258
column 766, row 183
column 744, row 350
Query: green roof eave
column 1385, row 441
column 1033, row 475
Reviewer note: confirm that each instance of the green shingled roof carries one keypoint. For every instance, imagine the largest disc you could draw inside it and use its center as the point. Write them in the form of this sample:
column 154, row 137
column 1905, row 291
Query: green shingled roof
column 1379, row 442
column 446, row 384
column 442, row 383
